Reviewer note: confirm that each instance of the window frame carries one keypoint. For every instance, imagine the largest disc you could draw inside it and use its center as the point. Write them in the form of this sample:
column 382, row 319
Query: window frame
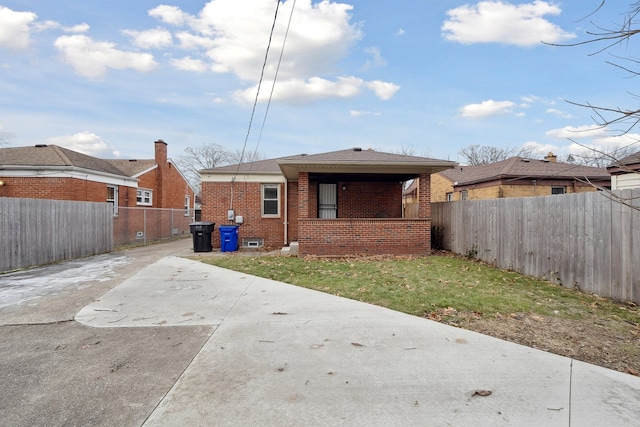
column 140, row 195
column 263, row 200
column 187, row 205
column 557, row 188
column 464, row 195
column 114, row 200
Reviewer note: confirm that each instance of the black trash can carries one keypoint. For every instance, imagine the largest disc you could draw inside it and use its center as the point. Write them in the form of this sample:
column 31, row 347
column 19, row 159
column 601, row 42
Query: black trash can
column 201, row 232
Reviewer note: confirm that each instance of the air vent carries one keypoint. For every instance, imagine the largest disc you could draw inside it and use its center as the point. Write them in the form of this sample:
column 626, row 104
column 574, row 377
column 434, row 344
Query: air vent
column 41, row 145
column 357, row 149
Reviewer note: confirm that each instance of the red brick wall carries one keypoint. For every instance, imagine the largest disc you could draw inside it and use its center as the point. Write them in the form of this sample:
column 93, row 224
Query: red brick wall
column 293, row 211
column 369, row 200
column 246, row 202
column 63, row 189
column 343, row 237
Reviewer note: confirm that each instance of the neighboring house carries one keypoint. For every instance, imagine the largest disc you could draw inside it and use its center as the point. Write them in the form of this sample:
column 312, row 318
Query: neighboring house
column 625, row 173
column 53, row 172
column 516, row 177
column 332, row 204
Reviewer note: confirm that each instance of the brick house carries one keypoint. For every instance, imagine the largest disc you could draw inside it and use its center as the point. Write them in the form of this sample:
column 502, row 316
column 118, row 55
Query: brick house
column 625, row 173
column 338, row 203
column 516, row 177
column 53, row 172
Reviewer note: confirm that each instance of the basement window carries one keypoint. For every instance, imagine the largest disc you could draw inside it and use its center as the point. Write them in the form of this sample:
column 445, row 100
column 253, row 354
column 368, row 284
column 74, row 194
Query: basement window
column 557, row 190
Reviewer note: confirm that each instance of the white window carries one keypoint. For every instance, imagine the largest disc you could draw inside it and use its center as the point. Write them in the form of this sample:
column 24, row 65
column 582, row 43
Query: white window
column 464, row 195
column 144, row 197
column 271, row 200
column 112, row 198
column 187, row 209
column 449, row 197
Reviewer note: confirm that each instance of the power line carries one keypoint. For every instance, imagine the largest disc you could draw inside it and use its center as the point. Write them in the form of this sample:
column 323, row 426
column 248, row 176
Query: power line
column 255, row 102
column 284, row 43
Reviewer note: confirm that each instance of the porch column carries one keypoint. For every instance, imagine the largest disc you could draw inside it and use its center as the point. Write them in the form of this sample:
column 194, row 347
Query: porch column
column 424, row 196
column 303, row 195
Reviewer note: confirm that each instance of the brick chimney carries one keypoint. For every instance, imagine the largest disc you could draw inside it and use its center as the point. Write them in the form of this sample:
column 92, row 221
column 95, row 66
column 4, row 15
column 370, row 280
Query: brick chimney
column 161, row 153
column 551, row 157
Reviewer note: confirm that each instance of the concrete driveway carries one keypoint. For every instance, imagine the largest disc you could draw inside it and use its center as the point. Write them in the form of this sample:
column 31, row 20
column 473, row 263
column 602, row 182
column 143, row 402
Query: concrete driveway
column 159, row 340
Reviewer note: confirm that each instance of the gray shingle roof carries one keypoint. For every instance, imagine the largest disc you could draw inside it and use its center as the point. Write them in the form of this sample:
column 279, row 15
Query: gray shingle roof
column 351, row 158
column 132, row 167
column 53, row 155
column 520, row 167
column 632, row 159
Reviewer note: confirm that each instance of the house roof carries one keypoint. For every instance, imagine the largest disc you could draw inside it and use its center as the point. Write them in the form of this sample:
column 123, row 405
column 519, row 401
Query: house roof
column 53, row 156
column 351, row 161
column 623, row 165
column 133, row 167
column 259, row 167
column 521, row 167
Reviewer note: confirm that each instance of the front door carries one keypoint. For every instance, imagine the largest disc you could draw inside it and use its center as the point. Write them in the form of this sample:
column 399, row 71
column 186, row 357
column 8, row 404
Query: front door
column 327, row 200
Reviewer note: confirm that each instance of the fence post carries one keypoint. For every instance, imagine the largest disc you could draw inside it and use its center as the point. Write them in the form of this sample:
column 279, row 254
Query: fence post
column 144, row 226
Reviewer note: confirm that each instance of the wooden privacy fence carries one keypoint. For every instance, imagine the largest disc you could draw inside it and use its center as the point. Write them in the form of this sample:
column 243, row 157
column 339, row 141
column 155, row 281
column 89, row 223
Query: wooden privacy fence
column 38, row 231
column 586, row 240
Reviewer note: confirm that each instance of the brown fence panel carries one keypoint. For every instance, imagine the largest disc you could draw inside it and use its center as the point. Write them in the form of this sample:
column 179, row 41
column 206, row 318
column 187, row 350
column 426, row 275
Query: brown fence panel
column 39, row 231
column 590, row 241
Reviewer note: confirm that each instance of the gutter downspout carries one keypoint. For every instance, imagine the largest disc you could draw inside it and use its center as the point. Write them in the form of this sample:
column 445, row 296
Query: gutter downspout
column 286, row 213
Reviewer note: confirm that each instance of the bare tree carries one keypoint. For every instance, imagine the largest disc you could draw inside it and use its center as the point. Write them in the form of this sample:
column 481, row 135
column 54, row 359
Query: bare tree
column 606, row 39
column 484, row 154
column 204, row 156
column 238, row 157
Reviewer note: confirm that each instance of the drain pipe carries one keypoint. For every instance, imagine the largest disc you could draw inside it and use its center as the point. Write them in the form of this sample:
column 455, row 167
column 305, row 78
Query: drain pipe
column 286, row 213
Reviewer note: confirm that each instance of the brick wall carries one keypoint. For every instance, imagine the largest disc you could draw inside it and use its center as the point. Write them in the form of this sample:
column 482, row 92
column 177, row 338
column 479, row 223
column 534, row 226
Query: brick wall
column 246, row 201
column 368, row 200
column 73, row 189
column 440, row 186
column 343, row 237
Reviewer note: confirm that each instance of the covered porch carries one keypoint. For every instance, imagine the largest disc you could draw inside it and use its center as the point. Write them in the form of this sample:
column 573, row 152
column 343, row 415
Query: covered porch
column 353, row 204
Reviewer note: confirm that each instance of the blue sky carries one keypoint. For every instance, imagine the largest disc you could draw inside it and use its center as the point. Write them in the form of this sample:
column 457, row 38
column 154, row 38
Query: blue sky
column 108, row 78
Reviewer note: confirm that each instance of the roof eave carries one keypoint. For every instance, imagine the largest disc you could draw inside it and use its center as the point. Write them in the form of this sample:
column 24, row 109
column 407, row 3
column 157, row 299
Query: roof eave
column 291, row 168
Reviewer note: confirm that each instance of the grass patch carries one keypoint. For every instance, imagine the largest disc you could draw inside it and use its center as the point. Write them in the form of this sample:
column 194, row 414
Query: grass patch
column 447, row 287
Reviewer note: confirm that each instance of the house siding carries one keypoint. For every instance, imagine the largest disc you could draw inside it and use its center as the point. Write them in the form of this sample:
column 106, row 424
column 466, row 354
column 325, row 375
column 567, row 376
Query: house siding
column 369, row 200
column 71, row 189
column 246, row 202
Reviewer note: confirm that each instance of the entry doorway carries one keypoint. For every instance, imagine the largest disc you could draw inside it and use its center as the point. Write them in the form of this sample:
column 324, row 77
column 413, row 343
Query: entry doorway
column 327, row 200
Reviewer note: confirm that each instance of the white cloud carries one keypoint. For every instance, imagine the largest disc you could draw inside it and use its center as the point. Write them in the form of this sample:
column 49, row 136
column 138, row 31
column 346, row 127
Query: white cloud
column 316, row 88
column 150, row 39
column 80, row 28
column 590, row 137
column 172, row 15
column 501, row 22
column 87, row 143
column 54, row 25
column 384, row 90
column 192, row 41
column 572, row 132
column 399, row 32
column 230, row 36
column 486, row 109
column 93, row 59
column 190, row 64
column 376, row 58
column 358, row 113
column 559, row 113
column 539, row 148
column 14, row 29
